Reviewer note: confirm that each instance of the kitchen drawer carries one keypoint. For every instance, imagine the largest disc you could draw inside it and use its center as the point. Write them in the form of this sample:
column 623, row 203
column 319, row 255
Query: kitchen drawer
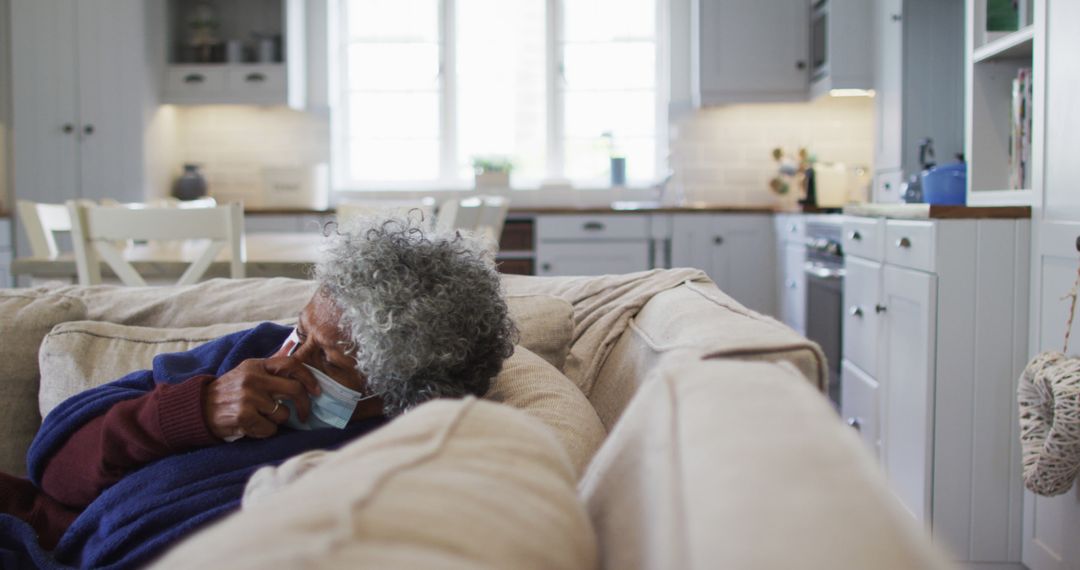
column 863, row 237
column 910, row 244
column 254, row 81
column 790, row 228
column 859, row 405
column 193, row 81
column 862, row 304
column 601, row 227
column 591, row 258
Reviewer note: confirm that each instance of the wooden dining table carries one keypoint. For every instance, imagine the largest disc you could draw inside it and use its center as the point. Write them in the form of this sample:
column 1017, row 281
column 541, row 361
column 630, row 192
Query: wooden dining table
column 268, row 254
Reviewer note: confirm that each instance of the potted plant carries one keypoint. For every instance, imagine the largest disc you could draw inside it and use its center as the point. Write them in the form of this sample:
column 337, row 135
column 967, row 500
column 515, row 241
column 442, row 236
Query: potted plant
column 492, row 171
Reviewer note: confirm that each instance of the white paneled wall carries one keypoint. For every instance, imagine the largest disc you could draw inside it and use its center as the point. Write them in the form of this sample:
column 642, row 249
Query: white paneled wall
column 233, row 143
column 724, row 154
column 5, row 107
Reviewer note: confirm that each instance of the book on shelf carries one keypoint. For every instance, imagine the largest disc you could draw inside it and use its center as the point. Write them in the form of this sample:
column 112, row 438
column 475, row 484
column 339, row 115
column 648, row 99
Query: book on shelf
column 1020, row 131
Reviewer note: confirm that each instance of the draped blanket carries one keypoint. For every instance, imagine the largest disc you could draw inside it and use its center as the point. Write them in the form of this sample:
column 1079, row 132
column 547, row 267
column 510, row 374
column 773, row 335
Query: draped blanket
column 136, row 519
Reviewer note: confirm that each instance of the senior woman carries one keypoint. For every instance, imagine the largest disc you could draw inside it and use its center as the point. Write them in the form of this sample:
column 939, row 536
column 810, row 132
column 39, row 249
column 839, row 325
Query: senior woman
column 119, row 472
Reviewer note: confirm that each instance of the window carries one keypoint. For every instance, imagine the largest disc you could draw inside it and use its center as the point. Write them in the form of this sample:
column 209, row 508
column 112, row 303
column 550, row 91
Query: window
column 558, row 86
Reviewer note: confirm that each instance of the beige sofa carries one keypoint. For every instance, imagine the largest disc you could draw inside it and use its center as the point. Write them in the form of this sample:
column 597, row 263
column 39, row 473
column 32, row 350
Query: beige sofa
column 674, row 429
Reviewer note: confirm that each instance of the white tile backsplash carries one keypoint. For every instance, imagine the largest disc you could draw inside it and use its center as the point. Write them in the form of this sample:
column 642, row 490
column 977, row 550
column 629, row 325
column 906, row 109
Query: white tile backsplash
column 232, row 144
column 719, row 154
column 724, row 154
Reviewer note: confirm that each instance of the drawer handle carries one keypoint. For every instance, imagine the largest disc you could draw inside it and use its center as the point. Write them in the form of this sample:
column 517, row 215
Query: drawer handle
column 855, row 235
column 194, row 78
column 903, row 243
column 880, row 309
column 593, row 227
column 856, row 312
column 855, row 423
column 718, row 240
column 255, row 78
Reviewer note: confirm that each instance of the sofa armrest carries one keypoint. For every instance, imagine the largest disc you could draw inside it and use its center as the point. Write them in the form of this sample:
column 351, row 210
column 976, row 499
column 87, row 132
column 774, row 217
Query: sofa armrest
column 745, row 465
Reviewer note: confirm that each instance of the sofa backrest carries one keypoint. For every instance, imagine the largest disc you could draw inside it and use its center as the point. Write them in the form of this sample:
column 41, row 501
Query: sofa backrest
column 746, row 466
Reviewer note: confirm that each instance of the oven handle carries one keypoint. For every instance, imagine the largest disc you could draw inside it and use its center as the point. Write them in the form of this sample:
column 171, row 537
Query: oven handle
column 822, row 272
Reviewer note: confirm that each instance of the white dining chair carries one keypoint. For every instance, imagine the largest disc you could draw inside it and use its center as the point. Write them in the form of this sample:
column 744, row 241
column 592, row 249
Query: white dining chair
column 41, row 222
column 422, row 211
column 95, row 230
column 459, row 214
column 493, row 218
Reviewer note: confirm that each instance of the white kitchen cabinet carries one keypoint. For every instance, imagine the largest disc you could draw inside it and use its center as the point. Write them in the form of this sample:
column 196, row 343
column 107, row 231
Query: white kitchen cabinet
column 749, row 51
column 737, row 251
column 909, row 298
column 861, row 407
column 862, row 305
column 790, row 231
column 918, row 82
column 593, row 244
column 936, row 328
column 1052, row 524
column 793, row 287
column 84, row 98
column 840, row 30
column 298, row 80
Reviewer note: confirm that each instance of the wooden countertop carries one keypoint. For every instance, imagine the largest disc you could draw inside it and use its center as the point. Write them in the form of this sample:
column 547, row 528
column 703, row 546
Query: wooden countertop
column 935, row 212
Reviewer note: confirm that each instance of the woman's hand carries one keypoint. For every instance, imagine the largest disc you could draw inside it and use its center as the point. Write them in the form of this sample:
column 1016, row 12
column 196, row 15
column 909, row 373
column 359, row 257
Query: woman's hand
column 244, row 401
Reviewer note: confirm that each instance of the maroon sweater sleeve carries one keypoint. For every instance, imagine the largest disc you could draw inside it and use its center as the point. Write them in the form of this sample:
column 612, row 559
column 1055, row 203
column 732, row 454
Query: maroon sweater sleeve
column 132, row 433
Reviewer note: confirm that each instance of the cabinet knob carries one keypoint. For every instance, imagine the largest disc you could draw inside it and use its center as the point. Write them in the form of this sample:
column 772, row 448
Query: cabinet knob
column 718, row 240
column 880, row 309
column 855, row 423
column 903, row 243
column 792, row 284
column 855, row 236
column 856, row 312
column 545, row 267
column 68, row 128
column 800, row 65
column 793, row 228
column 88, row 129
column 194, row 78
column 896, row 17
column 255, row 78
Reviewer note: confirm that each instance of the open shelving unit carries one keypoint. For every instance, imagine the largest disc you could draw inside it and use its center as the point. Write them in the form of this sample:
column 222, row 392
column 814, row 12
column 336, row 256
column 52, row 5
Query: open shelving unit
column 993, row 61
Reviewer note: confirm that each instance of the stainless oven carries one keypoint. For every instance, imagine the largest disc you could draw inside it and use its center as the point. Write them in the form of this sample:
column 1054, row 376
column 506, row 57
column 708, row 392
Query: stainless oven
column 824, row 270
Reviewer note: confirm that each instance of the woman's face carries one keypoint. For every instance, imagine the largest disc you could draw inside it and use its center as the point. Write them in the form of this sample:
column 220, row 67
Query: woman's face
column 322, row 346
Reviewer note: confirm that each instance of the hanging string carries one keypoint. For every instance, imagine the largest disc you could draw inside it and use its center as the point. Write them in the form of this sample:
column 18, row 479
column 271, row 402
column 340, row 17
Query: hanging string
column 1072, row 295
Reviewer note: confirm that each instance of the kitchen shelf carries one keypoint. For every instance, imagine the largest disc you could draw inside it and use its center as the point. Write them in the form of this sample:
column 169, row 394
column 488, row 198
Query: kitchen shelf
column 1016, row 44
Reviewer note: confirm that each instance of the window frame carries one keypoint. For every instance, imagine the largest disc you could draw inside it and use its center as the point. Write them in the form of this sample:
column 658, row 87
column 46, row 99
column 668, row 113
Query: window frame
column 338, row 36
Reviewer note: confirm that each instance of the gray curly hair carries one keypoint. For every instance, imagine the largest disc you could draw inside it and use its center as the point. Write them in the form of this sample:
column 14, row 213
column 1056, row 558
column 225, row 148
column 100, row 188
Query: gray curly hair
column 424, row 310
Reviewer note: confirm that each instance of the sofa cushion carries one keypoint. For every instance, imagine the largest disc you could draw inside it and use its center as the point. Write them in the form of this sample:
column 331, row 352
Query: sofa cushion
column 529, row 383
column 451, row 484
column 25, row 318
column 80, row 355
column 77, row 356
column 747, row 466
column 546, row 322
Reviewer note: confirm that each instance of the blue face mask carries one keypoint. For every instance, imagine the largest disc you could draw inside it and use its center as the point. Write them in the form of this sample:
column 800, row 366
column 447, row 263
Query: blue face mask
column 332, row 408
